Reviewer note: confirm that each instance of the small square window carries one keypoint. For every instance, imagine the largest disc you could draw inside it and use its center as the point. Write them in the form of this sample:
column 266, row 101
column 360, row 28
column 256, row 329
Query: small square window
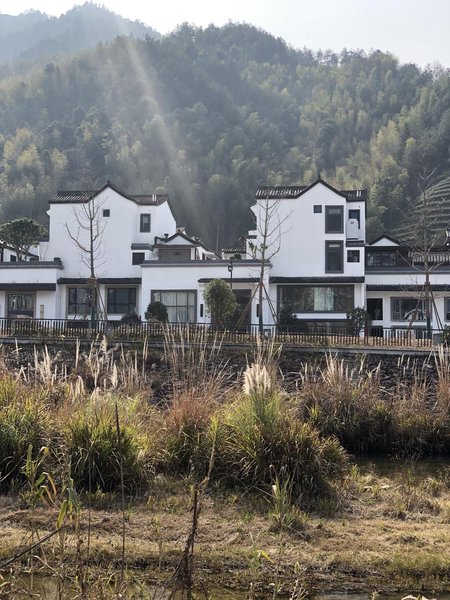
column 317, row 208
column 106, row 212
column 353, row 256
column 138, row 258
column 144, row 223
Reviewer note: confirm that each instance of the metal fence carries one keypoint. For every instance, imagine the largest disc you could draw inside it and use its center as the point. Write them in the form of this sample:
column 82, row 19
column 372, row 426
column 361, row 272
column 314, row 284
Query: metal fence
column 60, row 329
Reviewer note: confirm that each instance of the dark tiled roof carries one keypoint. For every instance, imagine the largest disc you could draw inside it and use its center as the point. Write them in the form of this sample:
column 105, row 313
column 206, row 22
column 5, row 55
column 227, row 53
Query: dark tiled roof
column 285, row 191
column 34, row 287
column 78, row 196
column 405, row 288
column 235, row 250
column 227, row 279
column 294, row 191
column 102, row 280
column 317, row 280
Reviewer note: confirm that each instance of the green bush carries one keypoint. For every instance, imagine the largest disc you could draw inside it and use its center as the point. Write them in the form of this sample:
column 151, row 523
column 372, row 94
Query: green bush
column 22, row 423
column 95, row 451
column 157, row 310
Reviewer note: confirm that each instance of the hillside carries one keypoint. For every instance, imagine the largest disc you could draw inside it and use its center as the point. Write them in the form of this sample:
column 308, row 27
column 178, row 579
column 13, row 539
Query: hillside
column 207, row 115
column 33, row 35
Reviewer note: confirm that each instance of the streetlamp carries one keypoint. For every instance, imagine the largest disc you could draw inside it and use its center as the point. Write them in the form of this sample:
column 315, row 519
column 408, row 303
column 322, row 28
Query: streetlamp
column 230, row 271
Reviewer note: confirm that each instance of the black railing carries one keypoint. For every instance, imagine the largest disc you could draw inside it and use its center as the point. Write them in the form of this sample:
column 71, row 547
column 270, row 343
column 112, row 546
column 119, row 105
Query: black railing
column 60, row 329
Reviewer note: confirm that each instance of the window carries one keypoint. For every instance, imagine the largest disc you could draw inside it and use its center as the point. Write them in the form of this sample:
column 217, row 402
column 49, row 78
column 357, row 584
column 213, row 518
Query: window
column 138, row 258
column 12, row 258
column 375, row 308
column 447, row 309
column 334, row 219
column 320, row 298
column 121, row 301
column 403, row 309
column 145, row 223
column 354, row 214
column 352, row 256
column 334, row 259
column 180, row 304
column 106, row 212
column 20, row 304
column 79, row 301
column 317, row 208
column 387, row 258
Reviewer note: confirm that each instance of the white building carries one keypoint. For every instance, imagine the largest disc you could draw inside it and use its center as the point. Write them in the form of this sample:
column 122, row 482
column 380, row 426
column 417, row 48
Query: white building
column 316, row 266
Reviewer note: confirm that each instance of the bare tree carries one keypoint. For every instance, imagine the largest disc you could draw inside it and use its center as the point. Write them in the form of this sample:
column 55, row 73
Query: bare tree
column 269, row 233
column 87, row 235
column 427, row 232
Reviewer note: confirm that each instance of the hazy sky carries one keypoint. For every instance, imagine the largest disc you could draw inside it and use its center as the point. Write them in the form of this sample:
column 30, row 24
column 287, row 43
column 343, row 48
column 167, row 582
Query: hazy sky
column 413, row 30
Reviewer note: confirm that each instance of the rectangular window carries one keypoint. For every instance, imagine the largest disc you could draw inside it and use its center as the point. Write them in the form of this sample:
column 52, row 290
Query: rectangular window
column 121, row 301
column 20, row 304
column 106, row 212
column 79, row 301
column 387, row 258
column 138, row 258
column 447, row 309
column 320, row 298
column 317, row 208
column 334, row 257
column 334, row 219
column 406, row 309
column 375, row 308
column 12, row 258
column 354, row 214
column 144, row 223
column 180, row 304
column 352, row 256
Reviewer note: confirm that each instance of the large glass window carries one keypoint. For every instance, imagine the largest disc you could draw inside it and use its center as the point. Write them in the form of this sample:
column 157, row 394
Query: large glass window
column 334, row 257
column 21, row 304
column 321, row 298
column 334, row 219
column 405, row 309
column 447, row 309
column 121, row 301
column 180, row 304
column 79, row 301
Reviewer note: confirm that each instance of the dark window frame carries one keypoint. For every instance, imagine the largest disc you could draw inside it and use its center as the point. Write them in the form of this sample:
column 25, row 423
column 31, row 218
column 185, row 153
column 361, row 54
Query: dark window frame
column 106, row 212
column 73, row 301
column 317, row 209
column 421, row 312
column 328, row 245
column 145, row 222
column 329, row 227
column 137, row 258
column 191, row 308
column 356, row 215
column 112, row 303
column 447, row 308
column 339, row 292
column 355, row 254
column 11, row 312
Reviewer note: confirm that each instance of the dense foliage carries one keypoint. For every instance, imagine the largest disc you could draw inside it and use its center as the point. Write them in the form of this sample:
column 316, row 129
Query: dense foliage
column 207, row 115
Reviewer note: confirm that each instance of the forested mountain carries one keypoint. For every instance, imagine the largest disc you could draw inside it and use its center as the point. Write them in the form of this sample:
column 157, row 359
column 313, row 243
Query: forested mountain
column 33, row 35
column 207, row 115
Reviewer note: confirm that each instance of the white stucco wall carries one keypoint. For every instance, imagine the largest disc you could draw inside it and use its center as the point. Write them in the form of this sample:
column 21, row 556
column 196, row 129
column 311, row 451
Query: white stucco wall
column 119, row 231
column 300, row 233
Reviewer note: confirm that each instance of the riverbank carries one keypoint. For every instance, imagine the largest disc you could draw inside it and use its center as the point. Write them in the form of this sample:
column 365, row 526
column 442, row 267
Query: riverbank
column 386, row 534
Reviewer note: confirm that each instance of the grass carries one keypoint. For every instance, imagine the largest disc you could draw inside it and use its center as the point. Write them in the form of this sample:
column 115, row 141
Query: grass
column 273, row 461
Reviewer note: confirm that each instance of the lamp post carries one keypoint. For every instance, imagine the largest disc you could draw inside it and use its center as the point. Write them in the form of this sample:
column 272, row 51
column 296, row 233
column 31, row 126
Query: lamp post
column 230, row 271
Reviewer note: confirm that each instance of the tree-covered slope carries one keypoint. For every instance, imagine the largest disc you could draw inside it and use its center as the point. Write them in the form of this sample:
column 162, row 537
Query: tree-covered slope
column 208, row 115
column 33, row 35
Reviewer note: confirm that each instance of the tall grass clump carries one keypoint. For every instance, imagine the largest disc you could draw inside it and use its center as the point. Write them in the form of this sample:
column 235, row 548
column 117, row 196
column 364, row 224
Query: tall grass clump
column 96, row 453
column 260, row 438
column 24, row 423
column 346, row 402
